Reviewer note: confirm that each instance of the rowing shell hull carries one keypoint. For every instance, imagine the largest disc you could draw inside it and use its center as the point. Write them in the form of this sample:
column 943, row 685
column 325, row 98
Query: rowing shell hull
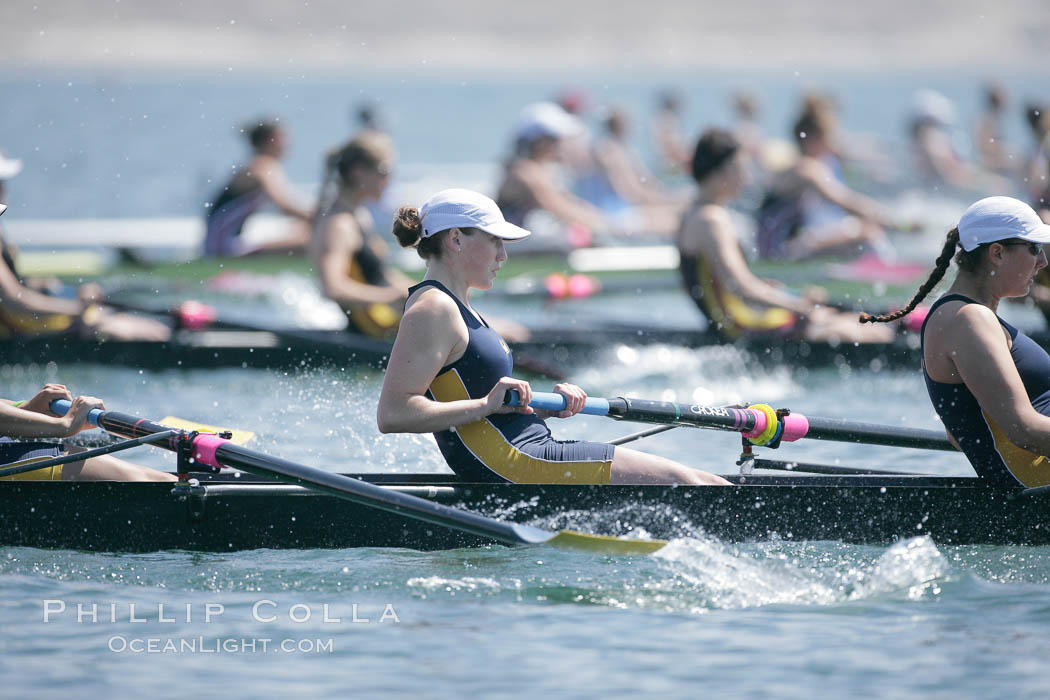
column 236, row 514
column 548, row 352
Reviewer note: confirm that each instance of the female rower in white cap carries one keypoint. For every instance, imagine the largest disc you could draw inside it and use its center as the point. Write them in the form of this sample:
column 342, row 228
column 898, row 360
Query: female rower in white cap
column 449, row 372
column 989, row 382
column 530, row 183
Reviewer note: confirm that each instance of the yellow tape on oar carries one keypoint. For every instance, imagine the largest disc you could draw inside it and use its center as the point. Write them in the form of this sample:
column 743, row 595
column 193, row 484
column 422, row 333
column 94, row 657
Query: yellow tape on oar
column 772, row 423
column 604, row 544
column 240, row 437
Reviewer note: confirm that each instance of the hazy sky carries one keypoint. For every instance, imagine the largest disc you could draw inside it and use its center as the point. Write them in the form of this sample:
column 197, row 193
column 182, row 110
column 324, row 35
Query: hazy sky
column 528, row 36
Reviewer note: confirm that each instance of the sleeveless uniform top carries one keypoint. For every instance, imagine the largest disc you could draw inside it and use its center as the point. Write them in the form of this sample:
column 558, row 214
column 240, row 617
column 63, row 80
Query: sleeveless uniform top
column 503, row 447
column 240, row 198
column 784, row 213
column 20, row 323
column 985, row 444
column 780, row 217
column 366, row 265
column 726, row 312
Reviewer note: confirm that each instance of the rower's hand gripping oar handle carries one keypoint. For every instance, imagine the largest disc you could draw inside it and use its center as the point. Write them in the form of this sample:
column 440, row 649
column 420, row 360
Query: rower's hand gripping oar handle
column 61, row 407
column 761, row 423
column 201, row 447
column 556, row 403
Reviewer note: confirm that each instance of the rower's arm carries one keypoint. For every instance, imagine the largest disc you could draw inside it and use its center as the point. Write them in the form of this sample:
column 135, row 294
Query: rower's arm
column 820, row 178
column 277, row 187
column 20, row 423
column 710, row 230
column 564, row 205
column 431, row 334
column 14, row 295
column 631, row 183
column 983, row 361
column 341, row 239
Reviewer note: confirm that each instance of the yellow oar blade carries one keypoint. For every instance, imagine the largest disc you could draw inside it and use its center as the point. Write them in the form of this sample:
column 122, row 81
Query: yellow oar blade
column 604, row 544
column 240, row 437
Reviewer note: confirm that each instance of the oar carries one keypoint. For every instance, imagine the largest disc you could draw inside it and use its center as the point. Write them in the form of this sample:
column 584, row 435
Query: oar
column 211, row 450
column 752, row 422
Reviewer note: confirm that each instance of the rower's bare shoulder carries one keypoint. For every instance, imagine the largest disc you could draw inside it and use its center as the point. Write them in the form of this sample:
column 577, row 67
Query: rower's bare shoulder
column 964, row 323
column 430, row 303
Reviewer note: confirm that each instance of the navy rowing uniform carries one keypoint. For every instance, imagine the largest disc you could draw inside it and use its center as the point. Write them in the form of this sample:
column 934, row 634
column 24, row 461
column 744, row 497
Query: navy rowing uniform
column 985, row 444
column 502, row 447
column 12, row 451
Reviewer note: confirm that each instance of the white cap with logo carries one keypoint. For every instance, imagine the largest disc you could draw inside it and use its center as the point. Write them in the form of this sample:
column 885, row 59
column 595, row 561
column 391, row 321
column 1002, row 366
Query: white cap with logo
column 459, row 208
column 998, row 218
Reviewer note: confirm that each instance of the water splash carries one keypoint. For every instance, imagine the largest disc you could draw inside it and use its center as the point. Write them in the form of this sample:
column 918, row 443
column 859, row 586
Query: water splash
column 707, row 375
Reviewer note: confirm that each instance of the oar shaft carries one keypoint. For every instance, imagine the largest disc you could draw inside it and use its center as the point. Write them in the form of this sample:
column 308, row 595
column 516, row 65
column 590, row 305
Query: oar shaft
column 748, row 421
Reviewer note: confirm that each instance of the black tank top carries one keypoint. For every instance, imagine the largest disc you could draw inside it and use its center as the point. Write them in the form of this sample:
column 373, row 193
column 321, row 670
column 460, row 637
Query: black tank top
column 993, row 456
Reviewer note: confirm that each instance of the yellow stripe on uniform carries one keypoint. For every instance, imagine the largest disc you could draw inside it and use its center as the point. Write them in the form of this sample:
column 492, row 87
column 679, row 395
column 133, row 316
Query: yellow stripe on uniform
column 494, row 451
column 732, row 313
column 1029, row 468
column 21, row 324
column 53, row 473
column 373, row 320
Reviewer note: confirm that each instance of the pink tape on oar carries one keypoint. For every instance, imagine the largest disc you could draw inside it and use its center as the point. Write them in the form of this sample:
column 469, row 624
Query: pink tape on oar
column 204, row 447
column 760, row 423
column 796, row 426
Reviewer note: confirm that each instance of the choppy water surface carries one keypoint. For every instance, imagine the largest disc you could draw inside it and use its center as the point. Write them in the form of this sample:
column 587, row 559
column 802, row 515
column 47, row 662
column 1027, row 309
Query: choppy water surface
column 777, row 618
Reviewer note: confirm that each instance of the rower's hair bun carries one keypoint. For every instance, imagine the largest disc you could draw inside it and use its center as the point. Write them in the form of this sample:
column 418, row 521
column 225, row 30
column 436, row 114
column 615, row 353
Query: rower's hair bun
column 408, row 227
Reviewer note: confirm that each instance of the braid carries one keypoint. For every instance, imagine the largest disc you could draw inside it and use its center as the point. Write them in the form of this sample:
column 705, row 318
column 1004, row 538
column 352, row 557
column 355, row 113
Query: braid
column 943, row 261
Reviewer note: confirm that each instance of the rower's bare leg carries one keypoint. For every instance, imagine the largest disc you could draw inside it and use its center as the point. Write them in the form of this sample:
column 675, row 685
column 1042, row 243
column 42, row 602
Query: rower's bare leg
column 109, row 468
column 118, row 326
column 844, row 328
column 633, row 467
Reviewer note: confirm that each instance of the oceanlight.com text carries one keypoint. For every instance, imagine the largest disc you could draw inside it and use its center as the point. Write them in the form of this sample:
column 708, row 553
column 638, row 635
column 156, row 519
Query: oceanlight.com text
column 119, row 644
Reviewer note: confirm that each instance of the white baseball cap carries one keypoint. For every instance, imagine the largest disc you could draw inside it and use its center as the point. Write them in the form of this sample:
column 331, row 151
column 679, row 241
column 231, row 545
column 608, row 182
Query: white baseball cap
column 998, row 218
column 459, row 208
column 9, row 167
column 547, row 119
column 3, row 208
column 932, row 106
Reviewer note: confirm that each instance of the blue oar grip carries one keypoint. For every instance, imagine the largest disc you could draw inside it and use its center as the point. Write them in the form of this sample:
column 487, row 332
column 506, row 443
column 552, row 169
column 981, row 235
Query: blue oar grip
column 556, row 402
column 62, row 406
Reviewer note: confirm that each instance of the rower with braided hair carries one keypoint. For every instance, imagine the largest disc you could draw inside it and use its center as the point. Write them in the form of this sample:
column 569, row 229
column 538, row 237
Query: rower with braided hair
column 988, row 381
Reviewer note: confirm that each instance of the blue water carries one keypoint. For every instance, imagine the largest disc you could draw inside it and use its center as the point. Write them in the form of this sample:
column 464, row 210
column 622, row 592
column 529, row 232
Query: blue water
column 785, row 619
column 105, row 144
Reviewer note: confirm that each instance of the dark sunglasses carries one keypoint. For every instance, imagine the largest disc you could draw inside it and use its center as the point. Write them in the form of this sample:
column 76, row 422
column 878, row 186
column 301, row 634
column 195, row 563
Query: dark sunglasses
column 1033, row 248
